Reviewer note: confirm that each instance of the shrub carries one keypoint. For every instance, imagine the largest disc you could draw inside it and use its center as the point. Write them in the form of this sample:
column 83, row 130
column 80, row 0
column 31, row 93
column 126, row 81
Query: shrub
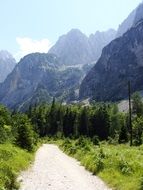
column 25, row 136
column 141, row 183
column 95, row 140
column 124, row 167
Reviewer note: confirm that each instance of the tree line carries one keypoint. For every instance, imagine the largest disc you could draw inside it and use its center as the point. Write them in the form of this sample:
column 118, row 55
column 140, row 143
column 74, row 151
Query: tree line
column 100, row 121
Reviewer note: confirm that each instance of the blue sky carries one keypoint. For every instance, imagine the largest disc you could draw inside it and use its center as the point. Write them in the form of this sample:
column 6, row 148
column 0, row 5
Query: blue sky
column 34, row 25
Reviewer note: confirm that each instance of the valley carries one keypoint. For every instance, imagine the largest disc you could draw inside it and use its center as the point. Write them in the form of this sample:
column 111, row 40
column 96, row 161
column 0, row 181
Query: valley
column 71, row 112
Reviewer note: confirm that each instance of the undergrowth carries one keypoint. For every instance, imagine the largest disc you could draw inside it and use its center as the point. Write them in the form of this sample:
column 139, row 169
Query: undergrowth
column 12, row 161
column 120, row 166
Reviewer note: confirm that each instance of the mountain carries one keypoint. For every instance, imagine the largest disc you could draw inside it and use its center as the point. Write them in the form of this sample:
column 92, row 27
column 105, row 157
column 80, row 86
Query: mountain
column 39, row 77
column 99, row 40
column 75, row 48
column 7, row 63
column 121, row 61
column 24, row 80
column 132, row 19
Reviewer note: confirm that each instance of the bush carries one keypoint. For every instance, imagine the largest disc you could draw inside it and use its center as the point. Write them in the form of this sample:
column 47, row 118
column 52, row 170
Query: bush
column 124, row 167
column 25, row 136
column 95, row 140
column 141, row 183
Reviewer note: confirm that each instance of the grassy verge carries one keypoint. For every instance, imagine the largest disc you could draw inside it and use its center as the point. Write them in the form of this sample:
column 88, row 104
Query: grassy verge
column 120, row 166
column 12, row 161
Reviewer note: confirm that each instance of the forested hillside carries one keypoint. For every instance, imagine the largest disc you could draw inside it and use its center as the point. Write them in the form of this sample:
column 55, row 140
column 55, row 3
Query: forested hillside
column 99, row 121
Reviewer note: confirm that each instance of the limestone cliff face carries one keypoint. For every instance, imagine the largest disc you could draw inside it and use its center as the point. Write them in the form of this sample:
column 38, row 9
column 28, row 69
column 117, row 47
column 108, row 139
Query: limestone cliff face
column 25, row 78
column 121, row 60
column 38, row 77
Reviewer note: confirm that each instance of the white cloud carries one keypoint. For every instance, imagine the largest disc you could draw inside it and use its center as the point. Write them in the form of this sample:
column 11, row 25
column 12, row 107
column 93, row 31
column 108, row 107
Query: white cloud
column 28, row 45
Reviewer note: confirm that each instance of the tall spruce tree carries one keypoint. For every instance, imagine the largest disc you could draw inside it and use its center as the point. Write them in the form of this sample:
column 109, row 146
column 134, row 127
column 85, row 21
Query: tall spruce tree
column 52, row 118
column 137, row 104
column 102, row 122
column 83, row 122
column 65, row 123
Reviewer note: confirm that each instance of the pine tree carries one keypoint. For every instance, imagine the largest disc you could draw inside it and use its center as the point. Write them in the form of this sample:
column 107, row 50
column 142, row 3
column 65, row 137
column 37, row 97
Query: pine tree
column 53, row 126
column 60, row 113
column 123, row 135
column 138, row 131
column 65, row 123
column 137, row 104
column 83, row 122
column 101, row 122
column 71, row 123
column 25, row 136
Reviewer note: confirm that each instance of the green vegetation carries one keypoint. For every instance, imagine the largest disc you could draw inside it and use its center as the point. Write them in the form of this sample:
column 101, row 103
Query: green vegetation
column 12, row 161
column 74, row 121
column 100, row 121
column 16, row 128
column 101, row 136
column 120, row 166
column 17, row 142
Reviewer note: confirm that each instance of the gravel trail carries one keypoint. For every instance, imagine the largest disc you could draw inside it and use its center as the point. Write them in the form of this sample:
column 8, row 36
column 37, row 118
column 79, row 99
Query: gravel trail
column 53, row 170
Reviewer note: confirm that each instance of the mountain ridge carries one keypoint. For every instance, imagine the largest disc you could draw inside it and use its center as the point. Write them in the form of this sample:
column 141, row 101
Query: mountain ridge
column 120, row 61
column 131, row 20
column 38, row 78
column 76, row 48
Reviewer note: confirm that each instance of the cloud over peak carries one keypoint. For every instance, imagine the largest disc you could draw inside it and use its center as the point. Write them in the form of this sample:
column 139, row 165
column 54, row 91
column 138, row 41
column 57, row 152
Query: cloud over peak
column 28, row 45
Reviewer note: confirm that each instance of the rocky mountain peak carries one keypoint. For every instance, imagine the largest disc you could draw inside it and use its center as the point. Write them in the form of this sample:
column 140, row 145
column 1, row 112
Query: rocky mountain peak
column 131, row 20
column 73, row 48
column 139, row 14
column 7, row 63
column 75, row 32
column 4, row 54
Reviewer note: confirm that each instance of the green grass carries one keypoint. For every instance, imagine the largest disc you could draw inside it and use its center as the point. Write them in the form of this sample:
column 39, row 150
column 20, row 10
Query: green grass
column 12, row 161
column 120, row 166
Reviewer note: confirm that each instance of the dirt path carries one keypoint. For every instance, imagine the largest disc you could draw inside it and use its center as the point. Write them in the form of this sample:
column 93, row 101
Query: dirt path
column 53, row 170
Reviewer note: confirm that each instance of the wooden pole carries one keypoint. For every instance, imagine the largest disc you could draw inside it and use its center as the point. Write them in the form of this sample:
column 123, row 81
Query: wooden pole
column 130, row 114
